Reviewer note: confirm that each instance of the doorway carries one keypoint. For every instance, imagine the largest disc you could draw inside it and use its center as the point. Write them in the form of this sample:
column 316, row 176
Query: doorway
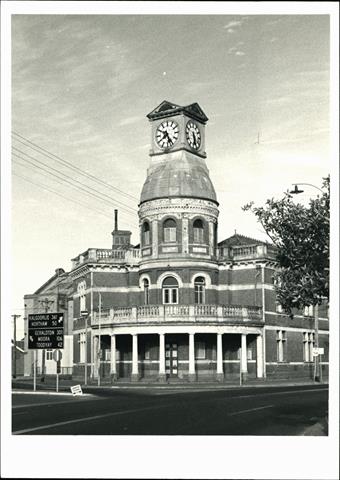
column 171, row 360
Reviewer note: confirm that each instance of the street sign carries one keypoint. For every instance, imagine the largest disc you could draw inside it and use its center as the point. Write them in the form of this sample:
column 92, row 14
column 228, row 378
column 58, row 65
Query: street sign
column 76, row 390
column 318, row 351
column 57, row 355
column 45, row 330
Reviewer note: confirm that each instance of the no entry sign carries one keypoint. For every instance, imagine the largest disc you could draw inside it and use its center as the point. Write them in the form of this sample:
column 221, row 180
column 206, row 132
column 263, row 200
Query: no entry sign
column 45, row 330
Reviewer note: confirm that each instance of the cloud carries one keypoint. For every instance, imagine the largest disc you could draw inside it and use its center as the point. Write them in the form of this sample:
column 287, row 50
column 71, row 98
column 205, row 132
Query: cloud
column 239, row 53
column 129, row 120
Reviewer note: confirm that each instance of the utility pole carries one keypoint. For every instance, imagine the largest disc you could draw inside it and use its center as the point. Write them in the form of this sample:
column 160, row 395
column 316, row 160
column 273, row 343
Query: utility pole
column 317, row 369
column 46, row 304
column 14, row 372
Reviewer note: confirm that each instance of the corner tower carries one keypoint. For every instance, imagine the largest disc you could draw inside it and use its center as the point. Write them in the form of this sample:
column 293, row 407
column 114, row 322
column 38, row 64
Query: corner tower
column 178, row 208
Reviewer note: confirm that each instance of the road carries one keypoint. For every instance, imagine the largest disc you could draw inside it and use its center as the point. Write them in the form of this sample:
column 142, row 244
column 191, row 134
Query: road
column 293, row 410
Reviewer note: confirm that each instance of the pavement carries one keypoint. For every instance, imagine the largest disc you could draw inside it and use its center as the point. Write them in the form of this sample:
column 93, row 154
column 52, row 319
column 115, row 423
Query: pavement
column 26, row 383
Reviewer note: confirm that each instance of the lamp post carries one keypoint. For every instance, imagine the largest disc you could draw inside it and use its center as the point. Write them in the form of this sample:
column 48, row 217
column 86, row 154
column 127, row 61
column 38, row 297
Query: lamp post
column 84, row 314
column 296, row 188
column 317, row 370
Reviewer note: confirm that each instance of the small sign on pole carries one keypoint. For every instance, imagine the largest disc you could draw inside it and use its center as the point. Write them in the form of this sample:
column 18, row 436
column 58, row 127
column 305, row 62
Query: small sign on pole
column 76, row 390
column 318, row 351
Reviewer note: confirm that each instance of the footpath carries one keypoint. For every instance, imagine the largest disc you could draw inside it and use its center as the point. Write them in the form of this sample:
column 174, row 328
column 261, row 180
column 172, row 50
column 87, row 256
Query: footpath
column 49, row 384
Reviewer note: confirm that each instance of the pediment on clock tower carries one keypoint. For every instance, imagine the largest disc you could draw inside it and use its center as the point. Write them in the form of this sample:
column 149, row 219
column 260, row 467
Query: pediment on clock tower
column 166, row 109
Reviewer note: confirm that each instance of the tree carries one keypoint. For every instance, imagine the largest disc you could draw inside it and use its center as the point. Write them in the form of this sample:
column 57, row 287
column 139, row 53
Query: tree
column 301, row 235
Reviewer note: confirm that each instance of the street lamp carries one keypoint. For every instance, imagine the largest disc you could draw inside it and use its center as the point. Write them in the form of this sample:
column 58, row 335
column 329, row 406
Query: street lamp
column 84, row 314
column 317, row 370
column 297, row 191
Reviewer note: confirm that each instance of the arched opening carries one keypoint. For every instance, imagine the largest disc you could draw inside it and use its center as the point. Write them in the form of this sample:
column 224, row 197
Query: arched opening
column 146, row 239
column 198, row 231
column 170, row 290
column 169, row 230
column 146, row 286
column 199, row 290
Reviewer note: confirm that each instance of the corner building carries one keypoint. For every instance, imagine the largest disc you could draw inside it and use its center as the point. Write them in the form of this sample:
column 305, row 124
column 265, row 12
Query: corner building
column 180, row 305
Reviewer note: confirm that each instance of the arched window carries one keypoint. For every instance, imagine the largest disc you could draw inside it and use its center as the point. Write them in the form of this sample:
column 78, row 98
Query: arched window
column 170, row 290
column 146, row 291
column 169, row 230
column 146, row 234
column 199, row 290
column 198, row 231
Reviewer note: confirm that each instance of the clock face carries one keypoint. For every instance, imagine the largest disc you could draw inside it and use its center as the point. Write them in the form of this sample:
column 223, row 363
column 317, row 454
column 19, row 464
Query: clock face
column 193, row 135
column 167, row 134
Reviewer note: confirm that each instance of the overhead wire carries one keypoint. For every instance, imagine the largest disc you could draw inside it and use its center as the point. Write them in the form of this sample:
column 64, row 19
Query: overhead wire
column 44, row 187
column 98, row 195
column 49, row 154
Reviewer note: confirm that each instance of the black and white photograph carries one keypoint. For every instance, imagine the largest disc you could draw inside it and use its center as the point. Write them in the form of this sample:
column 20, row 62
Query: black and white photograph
column 169, row 240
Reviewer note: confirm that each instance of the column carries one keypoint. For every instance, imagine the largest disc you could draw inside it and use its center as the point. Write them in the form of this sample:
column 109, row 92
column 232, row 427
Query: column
column 219, row 372
column 91, row 354
column 244, row 369
column 161, row 373
column 95, row 355
column 185, row 235
column 155, row 238
column 211, row 239
column 259, row 356
column 192, row 373
column 113, row 358
column 134, row 373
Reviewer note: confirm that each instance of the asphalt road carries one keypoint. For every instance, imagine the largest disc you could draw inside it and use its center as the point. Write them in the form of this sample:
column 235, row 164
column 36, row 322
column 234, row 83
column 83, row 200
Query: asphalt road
column 294, row 410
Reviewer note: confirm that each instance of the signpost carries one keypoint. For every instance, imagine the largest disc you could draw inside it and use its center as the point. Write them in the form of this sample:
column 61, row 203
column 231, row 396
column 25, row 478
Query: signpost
column 57, row 356
column 45, row 331
column 318, row 352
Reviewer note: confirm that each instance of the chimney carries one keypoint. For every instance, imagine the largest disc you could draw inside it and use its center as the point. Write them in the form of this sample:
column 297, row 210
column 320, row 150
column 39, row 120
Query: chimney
column 116, row 220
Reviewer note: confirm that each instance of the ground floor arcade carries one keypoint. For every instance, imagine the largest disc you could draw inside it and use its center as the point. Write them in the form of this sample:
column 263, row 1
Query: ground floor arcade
column 205, row 354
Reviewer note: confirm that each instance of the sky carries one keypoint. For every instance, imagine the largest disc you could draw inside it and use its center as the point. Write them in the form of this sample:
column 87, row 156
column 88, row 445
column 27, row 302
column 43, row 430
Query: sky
column 82, row 86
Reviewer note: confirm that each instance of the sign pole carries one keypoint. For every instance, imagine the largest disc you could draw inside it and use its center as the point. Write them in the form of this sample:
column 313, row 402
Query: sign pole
column 240, row 367
column 57, row 383
column 34, row 370
column 99, row 337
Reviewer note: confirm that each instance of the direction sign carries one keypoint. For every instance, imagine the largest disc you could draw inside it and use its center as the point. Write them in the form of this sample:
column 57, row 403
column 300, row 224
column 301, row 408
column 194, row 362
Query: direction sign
column 45, row 330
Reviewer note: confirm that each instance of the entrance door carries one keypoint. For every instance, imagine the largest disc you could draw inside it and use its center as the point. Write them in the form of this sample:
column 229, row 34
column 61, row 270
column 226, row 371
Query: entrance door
column 171, row 366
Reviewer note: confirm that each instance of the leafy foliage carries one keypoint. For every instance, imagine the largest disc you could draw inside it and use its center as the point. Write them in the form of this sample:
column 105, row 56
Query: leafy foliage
column 301, row 235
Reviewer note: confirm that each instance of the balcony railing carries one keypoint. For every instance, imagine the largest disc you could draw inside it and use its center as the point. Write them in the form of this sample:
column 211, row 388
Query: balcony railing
column 179, row 314
column 129, row 256
column 246, row 252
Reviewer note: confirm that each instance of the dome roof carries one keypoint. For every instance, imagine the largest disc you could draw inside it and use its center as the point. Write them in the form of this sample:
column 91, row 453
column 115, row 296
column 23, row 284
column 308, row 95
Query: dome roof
column 181, row 175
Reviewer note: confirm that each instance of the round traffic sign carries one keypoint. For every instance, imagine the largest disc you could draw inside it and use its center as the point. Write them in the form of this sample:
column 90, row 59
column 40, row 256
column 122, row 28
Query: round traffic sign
column 57, row 355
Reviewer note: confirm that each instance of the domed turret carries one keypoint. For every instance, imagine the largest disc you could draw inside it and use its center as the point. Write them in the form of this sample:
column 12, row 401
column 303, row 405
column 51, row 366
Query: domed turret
column 180, row 174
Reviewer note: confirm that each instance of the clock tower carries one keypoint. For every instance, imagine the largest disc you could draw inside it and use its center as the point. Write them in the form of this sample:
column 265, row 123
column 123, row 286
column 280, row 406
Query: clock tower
column 178, row 208
column 175, row 128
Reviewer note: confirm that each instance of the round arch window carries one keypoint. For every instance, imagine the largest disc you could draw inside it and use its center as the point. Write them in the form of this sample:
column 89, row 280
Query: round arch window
column 169, row 230
column 146, row 287
column 170, row 290
column 146, row 239
column 198, row 227
column 199, row 285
